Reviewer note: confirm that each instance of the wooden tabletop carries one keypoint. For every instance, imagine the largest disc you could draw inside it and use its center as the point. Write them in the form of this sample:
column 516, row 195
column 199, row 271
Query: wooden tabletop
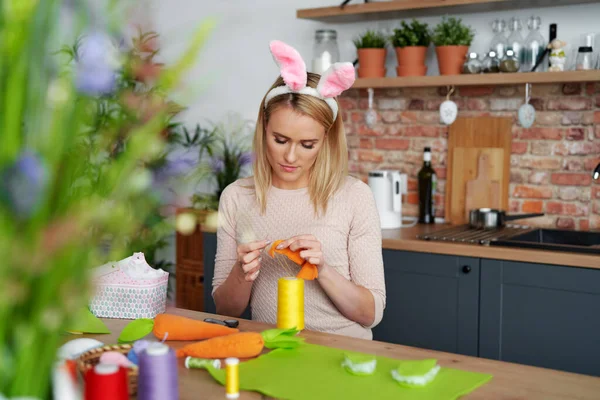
column 510, row 381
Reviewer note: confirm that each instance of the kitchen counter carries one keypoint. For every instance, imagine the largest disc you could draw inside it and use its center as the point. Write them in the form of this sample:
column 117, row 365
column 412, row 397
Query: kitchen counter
column 509, row 380
column 406, row 239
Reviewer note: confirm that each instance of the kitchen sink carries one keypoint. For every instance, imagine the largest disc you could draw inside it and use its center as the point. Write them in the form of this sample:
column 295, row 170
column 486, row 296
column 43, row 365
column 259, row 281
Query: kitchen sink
column 553, row 239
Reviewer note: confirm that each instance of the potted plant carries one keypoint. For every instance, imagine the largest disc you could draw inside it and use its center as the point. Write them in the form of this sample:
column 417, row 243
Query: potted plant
column 371, row 54
column 228, row 146
column 411, row 42
column 452, row 39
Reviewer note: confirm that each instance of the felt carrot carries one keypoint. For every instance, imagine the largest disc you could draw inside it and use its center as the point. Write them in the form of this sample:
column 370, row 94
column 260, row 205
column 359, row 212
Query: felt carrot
column 182, row 328
column 307, row 272
column 240, row 345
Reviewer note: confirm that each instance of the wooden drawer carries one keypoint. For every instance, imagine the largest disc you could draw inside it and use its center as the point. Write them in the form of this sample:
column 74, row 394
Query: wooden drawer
column 190, row 289
column 189, row 247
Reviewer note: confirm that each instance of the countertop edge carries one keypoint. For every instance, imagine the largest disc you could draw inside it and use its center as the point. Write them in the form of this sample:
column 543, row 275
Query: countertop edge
column 393, row 240
column 494, row 253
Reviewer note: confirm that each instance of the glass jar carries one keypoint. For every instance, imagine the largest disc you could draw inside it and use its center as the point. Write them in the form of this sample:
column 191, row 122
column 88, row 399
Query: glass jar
column 472, row 65
column 515, row 39
column 534, row 46
column 491, row 63
column 585, row 59
column 325, row 50
column 510, row 62
column 499, row 41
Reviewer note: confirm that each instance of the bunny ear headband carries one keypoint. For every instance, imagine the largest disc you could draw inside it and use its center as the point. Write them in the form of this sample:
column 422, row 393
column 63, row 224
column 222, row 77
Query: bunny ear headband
column 337, row 78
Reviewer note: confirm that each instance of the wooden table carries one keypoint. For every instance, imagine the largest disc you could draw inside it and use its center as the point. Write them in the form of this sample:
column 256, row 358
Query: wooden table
column 510, row 381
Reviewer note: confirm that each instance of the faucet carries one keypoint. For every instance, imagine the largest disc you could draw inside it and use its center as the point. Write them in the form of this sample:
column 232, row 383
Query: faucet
column 596, row 173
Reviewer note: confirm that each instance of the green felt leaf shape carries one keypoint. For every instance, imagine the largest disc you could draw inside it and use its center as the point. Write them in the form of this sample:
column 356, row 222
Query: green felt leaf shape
column 282, row 338
column 136, row 330
column 86, row 322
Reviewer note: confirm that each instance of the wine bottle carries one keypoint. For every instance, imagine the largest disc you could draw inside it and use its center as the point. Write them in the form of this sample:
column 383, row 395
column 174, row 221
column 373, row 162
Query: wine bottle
column 427, row 188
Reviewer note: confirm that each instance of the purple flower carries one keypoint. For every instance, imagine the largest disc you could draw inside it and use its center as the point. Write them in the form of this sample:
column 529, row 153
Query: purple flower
column 24, row 183
column 217, row 165
column 97, row 62
column 96, row 81
column 172, row 168
column 246, row 158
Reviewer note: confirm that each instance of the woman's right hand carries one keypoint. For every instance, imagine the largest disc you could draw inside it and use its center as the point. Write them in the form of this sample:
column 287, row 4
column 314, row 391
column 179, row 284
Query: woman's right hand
column 249, row 258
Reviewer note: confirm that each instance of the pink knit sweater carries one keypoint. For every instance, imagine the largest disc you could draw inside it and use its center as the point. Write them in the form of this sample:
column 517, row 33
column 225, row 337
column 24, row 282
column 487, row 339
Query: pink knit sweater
column 349, row 233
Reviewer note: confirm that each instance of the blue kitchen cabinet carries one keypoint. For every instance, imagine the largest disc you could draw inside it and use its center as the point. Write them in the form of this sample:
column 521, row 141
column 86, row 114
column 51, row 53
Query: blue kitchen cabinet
column 541, row 315
column 432, row 302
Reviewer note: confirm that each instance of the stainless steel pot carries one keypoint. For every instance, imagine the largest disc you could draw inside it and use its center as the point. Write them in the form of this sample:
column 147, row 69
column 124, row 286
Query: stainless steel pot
column 489, row 218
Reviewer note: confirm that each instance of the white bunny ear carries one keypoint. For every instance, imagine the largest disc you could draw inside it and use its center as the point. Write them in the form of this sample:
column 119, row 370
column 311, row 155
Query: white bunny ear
column 337, row 78
column 291, row 64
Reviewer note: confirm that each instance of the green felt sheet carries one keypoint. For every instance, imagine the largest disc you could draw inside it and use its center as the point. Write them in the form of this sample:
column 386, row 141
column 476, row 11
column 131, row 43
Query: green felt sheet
column 314, row 372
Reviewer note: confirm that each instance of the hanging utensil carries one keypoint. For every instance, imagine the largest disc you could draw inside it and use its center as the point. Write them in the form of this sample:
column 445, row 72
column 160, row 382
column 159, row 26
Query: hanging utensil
column 489, row 218
column 370, row 115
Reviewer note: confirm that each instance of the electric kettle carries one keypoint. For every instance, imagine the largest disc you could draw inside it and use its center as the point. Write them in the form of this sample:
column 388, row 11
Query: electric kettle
column 388, row 186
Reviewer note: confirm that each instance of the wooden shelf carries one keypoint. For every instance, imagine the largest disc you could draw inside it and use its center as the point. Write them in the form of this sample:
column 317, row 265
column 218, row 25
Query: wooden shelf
column 402, row 9
column 479, row 79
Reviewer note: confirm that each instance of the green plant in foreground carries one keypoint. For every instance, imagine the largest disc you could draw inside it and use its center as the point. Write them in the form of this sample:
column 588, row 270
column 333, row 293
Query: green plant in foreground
column 452, row 32
column 370, row 40
column 72, row 176
column 413, row 34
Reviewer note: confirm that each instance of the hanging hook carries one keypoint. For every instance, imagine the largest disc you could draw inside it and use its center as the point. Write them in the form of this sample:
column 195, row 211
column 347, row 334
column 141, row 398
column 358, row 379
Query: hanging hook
column 449, row 91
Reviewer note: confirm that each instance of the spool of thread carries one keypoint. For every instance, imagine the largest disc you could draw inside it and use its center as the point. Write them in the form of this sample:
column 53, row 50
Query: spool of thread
column 290, row 303
column 106, row 382
column 157, row 379
column 232, row 378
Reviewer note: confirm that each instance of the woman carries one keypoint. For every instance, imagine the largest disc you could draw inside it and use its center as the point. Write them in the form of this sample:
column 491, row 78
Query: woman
column 301, row 193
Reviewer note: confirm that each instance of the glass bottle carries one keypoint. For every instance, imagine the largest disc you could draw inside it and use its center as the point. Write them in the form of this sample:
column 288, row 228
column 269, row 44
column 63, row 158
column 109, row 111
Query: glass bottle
column 325, row 50
column 510, row 62
column 491, row 63
column 472, row 65
column 499, row 41
column 427, row 188
column 534, row 46
column 515, row 39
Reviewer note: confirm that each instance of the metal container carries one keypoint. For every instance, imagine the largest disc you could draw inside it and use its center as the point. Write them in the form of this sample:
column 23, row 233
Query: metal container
column 489, row 218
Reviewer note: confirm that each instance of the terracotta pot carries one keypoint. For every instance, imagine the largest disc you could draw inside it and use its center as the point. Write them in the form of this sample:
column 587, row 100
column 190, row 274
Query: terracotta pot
column 411, row 70
column 451, row 59
column 411, row 55
column 371, row 72
column 371, row 59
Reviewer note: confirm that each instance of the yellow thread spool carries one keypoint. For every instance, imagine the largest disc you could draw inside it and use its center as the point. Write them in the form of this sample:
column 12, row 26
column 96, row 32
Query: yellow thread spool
column 232, row 378
column 290, row 303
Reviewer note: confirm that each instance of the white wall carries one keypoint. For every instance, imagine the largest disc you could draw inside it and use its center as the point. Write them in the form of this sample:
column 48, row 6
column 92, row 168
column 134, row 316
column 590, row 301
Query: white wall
column 235, row 68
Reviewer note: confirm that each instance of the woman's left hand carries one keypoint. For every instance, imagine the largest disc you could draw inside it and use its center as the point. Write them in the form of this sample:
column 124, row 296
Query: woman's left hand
column 310, row 248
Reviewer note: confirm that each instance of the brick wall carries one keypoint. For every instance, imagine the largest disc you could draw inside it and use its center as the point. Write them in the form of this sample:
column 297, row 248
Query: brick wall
column 551, row 162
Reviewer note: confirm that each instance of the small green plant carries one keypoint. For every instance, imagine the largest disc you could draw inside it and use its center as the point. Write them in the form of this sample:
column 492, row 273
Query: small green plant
column 370, row 40
column 452, row 32
column 413, row 34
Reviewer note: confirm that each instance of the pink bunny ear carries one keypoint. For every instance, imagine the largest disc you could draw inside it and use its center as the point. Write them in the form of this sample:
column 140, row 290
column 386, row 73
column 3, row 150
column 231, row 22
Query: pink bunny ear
column 337, row 78
column 291, row 64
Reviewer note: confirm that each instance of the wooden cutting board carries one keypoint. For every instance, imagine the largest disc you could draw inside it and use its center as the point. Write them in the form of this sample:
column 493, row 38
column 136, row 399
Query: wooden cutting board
column 474, row 188
column 484, row 191
column 473, row 134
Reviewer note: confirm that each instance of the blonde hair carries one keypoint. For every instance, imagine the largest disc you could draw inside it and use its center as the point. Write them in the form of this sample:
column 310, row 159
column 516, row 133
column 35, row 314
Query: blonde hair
column 331, row 166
